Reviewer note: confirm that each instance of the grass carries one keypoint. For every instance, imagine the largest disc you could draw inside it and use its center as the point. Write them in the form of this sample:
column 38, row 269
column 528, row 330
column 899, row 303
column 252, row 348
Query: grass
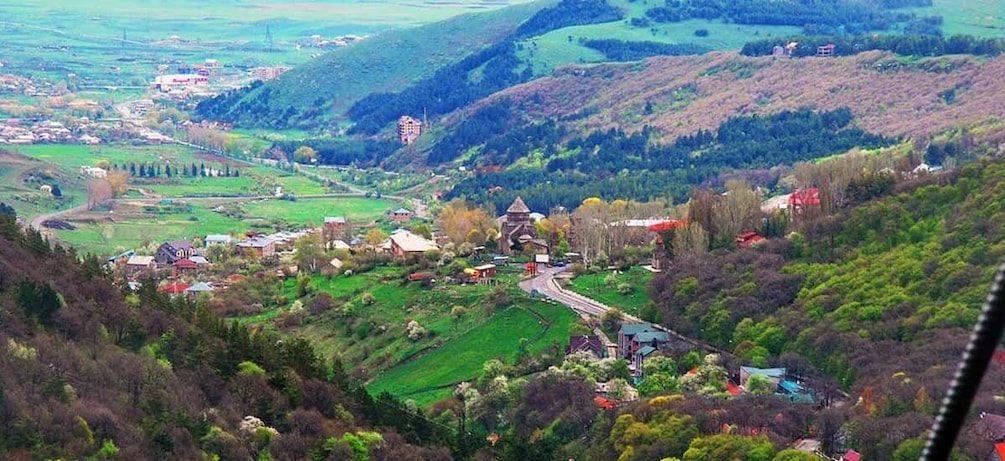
column 106, row 238
column 432, row 376
column 596, row 286
column 307, row 211
column 74, row 156
column 982, row 18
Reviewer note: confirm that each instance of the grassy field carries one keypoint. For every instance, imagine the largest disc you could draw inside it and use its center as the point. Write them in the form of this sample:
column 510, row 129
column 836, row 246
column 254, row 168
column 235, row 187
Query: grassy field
column 433, row 375
column 17, row 190
column 307, row 211
column 603, row 287
column 983, row 18
column 110, row 237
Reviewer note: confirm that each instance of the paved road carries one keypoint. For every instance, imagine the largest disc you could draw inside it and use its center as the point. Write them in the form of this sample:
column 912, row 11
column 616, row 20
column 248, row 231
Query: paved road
column 545, row 284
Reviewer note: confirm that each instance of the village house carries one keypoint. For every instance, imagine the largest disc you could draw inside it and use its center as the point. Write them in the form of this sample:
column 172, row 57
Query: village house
column 404, row 243
column 401, row 215
column 218, row 239
column 335, row 223
column 140, row 264
column 409, row 129
column 746, row 239
column 516, row 226
column 120, row 259
column 638, row 341
column 803, row 198
column 201, row 287
column 586, row 343
column 258, row 246
column 170, row 252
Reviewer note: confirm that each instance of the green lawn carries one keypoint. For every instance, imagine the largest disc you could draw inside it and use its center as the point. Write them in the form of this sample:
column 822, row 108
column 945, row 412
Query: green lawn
column 603, row 287
column 432, row 376
column 74, row 156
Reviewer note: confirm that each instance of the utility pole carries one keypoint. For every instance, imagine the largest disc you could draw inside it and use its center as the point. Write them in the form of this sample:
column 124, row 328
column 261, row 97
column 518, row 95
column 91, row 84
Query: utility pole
column 269, row 43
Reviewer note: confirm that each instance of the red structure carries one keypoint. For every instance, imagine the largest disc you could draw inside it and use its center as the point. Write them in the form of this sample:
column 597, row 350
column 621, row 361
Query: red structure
column 809, row 196
column 746, row 239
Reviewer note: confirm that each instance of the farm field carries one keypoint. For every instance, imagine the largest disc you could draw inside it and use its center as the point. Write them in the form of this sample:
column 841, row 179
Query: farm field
column 982, row 18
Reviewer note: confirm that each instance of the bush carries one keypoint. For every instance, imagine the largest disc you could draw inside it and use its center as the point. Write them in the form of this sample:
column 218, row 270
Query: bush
column 701, row 33
column 625, row 288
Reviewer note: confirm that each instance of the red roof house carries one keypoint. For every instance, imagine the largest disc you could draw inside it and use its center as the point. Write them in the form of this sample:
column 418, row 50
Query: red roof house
column 746, row 239
column 606, row 403
column 809, row 196
column 176, row 288
column 851, row 455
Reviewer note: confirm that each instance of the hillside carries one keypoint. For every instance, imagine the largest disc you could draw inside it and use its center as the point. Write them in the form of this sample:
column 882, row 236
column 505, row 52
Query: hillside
column 887, row 94
column 879, row 296
column 87, row 372
column 388, row 61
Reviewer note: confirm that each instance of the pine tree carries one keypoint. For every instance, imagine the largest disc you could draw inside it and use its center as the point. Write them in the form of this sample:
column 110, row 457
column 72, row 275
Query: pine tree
column 167, row 170
column 143, row 171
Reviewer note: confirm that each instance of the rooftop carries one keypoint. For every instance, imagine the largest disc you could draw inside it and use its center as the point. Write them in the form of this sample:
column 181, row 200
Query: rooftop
column 518, row 206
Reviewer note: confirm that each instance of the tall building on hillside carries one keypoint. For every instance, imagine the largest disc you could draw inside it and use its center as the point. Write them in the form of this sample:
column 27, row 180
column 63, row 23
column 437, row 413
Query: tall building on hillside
column 516, row 226
column 408, row 129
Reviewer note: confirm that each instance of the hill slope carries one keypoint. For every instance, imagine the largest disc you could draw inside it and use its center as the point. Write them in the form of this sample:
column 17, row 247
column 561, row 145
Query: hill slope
column 385, row 62
column 87, row 373
column 887, row 94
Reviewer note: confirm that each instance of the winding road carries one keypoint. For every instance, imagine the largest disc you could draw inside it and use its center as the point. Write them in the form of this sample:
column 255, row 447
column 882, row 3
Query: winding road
column 546, row 285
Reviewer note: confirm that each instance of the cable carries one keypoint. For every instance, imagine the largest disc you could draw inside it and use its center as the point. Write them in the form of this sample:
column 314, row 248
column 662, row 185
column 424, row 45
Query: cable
column 955, row 406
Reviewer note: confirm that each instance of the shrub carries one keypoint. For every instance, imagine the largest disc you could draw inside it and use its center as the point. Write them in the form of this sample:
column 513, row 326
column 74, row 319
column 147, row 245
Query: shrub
column 701, row 33
column 625, row 288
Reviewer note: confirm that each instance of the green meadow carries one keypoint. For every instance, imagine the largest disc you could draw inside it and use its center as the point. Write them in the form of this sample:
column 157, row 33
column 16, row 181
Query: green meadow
column 603, row 287
column 312, row 211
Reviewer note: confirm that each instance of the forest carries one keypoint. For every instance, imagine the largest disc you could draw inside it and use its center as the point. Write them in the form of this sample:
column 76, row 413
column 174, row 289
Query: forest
column 88, row 371
column 905, row 45
column 597, row 164
column 879, row 296
column 818, row 16
column 621, row 50
column 332, row 151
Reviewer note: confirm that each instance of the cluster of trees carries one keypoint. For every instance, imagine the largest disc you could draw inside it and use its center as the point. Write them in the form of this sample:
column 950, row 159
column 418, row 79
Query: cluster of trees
column 621, row 50
column 499, row 128
column 598, row 164
column 478, row 75
column 846, row 16
column 263, row 111
column 908, row 45
column 153, row 170
column 332, row 151
column 879, row 296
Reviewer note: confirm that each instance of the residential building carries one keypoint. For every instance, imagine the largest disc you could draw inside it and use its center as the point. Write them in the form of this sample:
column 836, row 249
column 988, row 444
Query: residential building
column 401, row 215
column 94, row 172
column 335, row 223
column 259, row 246
column 219, row 239
column 806, row 197
column 269, row 73
column 517, row 226
column 775, row 375
column 586, row 343
column 404, row 243
column 171, row 252
column 409, row 129
column 645, row 344
column 140, row 264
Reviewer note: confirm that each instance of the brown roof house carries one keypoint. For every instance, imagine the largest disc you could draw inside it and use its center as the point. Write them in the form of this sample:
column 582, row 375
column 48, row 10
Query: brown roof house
column 517, row 227
column 404, row 243
column 171, row 252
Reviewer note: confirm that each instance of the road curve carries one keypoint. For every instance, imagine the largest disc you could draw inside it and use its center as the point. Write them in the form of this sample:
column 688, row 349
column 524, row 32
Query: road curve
column 546, row 285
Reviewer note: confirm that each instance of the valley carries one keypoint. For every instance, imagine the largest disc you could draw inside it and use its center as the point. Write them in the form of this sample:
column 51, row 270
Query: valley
column 560, row 229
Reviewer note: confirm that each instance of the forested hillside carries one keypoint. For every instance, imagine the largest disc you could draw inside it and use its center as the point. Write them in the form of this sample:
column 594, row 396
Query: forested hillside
column 879, row 296
column 87, row 372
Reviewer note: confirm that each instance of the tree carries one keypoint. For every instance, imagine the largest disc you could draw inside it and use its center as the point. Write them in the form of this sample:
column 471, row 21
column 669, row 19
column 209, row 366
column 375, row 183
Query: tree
column 118, row 181
column 457, row 312
column 611, row 320
column 792, row 454
column 462, row 222
column 375, row 237
column 310, row 253
column 730, row 447
column 759, row 385
column 99, row 192
column 423, row 229
column 305, row 154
